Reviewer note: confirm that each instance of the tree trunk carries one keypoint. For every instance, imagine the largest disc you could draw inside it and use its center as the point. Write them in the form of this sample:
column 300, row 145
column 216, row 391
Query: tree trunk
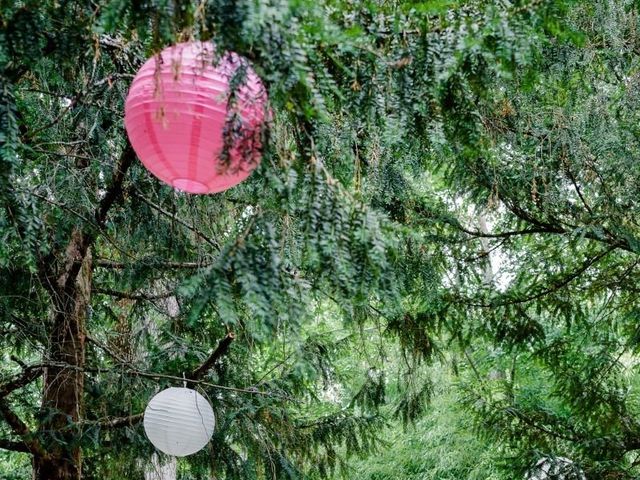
column 157, row 470
column 64, row 382
column 486, row 247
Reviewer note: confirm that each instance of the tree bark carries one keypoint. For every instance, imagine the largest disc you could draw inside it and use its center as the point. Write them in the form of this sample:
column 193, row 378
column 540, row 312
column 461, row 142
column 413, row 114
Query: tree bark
column 63, row 385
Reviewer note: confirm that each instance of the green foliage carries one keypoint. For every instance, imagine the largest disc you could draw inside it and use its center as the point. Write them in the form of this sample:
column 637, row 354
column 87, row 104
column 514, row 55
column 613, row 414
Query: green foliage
column 440, row 446
column 14, row 466
column 443, row 183
column 555, row 176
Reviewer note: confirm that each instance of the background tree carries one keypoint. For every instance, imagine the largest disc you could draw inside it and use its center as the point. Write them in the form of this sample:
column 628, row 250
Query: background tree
column 549, row 344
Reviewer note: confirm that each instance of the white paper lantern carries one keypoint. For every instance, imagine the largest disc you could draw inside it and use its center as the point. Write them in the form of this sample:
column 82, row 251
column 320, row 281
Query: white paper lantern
column 555, row 468
column 179, row 421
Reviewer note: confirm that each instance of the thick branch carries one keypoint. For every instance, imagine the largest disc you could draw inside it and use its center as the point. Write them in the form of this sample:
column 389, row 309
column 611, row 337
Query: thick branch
column 193, row 378
column 538, row 227
column 29, row 374
column 115, row 189
column 523, row 418
column 553, row 288
column 81, row 241
column 17, row 425
column 14, row 446
column 508, row 234
column 20, row 429
column 132, row 420
column 551, row 228
column 217, row 354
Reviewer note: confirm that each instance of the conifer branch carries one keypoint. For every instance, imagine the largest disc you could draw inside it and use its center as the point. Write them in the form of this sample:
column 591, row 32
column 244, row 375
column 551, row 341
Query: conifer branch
column 133, row 296
column 528, row 421
column 115, row 188
column 81, row 241
column 20, row 429
column 118, row 422
column 132, row 420
column 547, row 227
column 14, row 446
column 198, row 373
column 219, row 352
column 175, row 218
column 29, row 374
column 566, row 280
column 507, row 234
column 193, row 378
column 16, row 424
column 112, row 264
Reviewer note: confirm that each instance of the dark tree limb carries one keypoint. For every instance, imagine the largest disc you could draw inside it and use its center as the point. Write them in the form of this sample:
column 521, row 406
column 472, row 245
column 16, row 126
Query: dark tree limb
column 220, row 351
column 106, row 349
column 508, row 234
column 549, row 290
column 81, row 241
column 528, row 421
column 17, row 425
column 131, row 420
column 29, row 374
column 13, row 446
column 114, row 190
column 21, row 429
column 608, row 239
column 195, row 376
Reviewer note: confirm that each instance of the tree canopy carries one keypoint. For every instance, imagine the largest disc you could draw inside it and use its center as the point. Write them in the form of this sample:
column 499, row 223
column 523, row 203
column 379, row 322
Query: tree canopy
column 441, row 242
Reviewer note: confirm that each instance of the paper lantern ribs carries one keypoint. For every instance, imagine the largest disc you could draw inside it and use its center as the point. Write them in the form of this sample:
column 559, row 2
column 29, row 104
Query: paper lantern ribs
column 182, row 124
column 179, row 421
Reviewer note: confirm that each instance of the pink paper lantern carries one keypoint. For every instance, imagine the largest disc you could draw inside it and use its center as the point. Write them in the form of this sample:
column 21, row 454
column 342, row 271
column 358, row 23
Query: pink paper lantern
column 182, row 124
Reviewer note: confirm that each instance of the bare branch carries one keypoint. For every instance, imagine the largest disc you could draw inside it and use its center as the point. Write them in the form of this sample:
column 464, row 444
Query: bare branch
column 132, row 296
column 104, row 263
column 118, row 422
column 29, row 374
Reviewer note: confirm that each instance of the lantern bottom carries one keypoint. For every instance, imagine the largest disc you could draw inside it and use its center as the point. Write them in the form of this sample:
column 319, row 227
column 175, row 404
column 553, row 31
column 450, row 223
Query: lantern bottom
column 188, row 185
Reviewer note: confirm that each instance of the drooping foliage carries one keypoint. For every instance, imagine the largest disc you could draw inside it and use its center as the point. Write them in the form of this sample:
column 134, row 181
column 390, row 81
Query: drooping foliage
column 545, row 294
